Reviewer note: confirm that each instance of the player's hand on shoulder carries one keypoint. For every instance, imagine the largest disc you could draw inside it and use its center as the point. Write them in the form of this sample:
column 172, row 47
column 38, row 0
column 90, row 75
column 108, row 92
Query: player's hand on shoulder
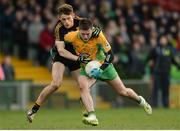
column 96, row 31
column 84, row 58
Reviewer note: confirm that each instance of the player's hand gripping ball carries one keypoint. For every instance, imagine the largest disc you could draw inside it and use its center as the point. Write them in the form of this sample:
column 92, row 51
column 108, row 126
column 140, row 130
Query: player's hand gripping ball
column 93, row 69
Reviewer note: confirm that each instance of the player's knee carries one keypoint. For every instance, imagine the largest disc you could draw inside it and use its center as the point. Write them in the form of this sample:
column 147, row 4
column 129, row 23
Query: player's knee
column 55, row 84
column 83, row 87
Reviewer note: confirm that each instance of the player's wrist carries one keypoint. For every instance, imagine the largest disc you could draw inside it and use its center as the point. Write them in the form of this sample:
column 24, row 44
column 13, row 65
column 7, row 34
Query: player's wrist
column 104, row 65
column 77, row 58
column 83, row 58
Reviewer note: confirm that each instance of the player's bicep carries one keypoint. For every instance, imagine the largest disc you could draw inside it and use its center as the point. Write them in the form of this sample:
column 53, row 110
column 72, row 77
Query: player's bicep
column 59, row 44
column 57, row 32
column 57, row 37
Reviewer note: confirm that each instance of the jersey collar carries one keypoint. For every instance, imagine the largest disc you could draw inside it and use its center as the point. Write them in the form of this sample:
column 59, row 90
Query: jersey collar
column 79, row 37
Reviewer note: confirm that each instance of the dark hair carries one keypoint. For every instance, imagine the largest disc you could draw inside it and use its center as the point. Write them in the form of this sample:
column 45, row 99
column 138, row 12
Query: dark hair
column 85, row 24
column 65, row 9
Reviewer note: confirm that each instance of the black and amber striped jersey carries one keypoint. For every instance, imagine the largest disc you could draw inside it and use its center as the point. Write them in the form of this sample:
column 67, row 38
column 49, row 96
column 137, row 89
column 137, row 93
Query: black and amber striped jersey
column 59, row 32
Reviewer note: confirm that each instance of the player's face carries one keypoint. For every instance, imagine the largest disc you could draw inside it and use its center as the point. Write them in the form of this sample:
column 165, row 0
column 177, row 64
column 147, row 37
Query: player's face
column 85, row 34
column 67, row 20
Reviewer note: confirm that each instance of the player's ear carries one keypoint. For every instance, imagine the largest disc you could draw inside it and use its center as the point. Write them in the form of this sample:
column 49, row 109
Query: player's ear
column 59, row 17
column 73, row 14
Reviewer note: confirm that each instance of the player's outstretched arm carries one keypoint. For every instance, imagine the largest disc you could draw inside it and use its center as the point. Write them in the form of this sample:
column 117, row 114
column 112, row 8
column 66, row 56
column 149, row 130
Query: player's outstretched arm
column 83, row 58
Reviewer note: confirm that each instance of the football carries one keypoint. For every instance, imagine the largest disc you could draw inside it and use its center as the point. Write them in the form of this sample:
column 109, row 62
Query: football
column 91, row 65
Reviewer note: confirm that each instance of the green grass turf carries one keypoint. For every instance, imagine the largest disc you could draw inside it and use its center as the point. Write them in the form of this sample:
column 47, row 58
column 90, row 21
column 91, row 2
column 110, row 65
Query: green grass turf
column 120, row 119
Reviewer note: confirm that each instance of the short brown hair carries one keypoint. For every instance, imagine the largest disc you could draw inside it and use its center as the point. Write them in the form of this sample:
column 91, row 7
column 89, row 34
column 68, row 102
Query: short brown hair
column 85, row 24
column 65, row 9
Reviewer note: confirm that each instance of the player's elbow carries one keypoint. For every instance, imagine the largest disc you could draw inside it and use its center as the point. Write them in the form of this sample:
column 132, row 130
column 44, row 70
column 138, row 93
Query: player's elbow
column 60, row 47
column 61, row 52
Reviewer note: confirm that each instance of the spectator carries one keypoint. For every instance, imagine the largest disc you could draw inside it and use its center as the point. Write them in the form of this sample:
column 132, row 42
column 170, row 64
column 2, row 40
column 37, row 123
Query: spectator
column 124, row 33
column 46, row 42
column 120, row 50
column 178, row 41
column 34, row 30
column 20, row 34
column 136, row 68
column 2, row 77
column 8, row 68
column 6, row 31
column 163, row 56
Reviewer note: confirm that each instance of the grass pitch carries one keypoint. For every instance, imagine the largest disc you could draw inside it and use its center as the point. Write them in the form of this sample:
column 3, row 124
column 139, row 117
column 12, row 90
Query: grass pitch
column 71, row 119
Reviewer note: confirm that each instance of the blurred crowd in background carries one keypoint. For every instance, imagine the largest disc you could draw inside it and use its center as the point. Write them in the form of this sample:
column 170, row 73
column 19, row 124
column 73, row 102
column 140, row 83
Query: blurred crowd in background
column 132, row 28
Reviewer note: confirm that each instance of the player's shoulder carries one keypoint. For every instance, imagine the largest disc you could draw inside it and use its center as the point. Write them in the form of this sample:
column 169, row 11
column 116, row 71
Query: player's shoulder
column 57, row 28
column 71, row 36
column 101, row 37
column 101, row 34
column 58, row 25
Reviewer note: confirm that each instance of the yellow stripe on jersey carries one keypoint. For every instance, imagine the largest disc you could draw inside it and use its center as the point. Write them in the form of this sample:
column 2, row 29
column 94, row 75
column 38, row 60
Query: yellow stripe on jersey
column 58, row 26
column 95, row 47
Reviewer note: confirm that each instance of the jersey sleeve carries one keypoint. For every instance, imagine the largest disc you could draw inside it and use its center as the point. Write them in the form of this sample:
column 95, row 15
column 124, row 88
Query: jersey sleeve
column 57, row 32
column 105, row 44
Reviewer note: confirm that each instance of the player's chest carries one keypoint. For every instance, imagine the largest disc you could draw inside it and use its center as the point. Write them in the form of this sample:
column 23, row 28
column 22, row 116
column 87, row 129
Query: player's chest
column 83, row 46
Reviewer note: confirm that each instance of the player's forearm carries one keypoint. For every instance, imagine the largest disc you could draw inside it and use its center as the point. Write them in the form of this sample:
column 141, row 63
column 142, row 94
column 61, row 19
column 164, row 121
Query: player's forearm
column 109, row 58
column 68, row 55
column 63, row 52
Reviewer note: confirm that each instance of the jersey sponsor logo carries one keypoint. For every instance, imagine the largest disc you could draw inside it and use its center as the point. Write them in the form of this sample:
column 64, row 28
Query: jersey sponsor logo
column 107, row 44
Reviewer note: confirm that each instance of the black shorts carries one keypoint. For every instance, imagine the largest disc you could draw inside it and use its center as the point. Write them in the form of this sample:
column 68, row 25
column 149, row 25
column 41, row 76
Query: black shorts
column 72, row 65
